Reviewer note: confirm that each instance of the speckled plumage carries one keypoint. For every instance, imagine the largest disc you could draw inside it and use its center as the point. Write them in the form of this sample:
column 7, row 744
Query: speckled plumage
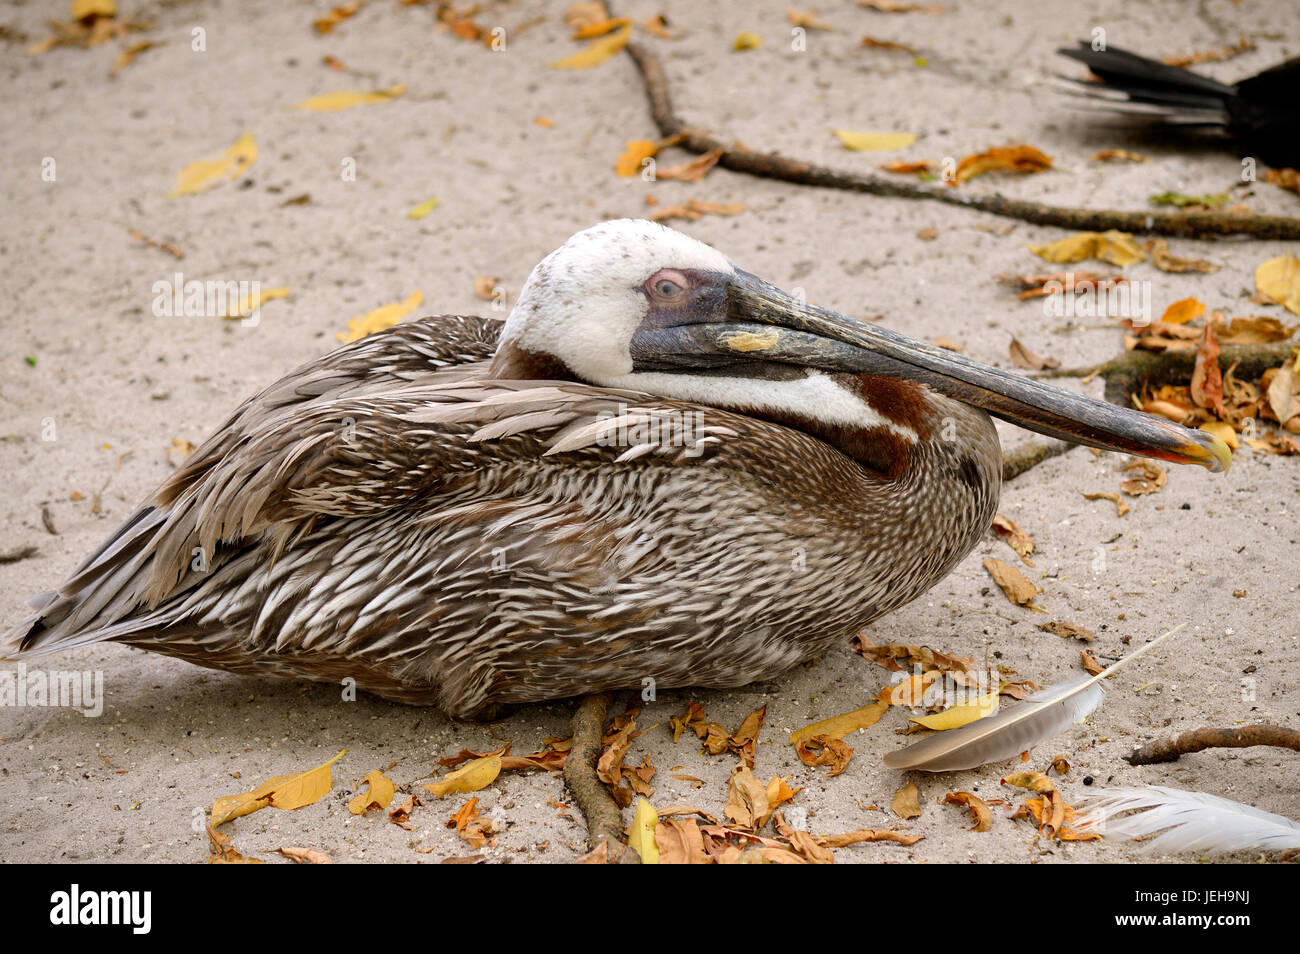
column 399, row 514
column 434, row 568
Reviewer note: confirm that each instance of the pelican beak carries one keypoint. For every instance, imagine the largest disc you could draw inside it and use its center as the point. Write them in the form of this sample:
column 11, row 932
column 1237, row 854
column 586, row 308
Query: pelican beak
column 764, row 323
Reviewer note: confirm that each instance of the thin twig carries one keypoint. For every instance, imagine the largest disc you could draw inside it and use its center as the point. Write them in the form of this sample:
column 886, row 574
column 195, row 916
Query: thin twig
column 771, row 165
column 602, row 814
column 1028, row 456
column 1168, row 750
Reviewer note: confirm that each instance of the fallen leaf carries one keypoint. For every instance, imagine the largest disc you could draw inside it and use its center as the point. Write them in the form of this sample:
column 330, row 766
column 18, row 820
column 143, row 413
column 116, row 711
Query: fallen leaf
column 1022, row 357
column 1148, row 477
column 692, row 171
column 837, row 727
column 806, row 19
column 222, row 852
column 868, row 834
column 1183, row 311
column 1283, row 393
column 955, row 717
column 423, row 209
column 980, row 813
column 906, row 804
column 206, row 173
column 401, row 815
column 869, row 42
column 694, row 209
column 1089, row 662
column 1019, row 159
column 824, row 750
column 1014, row 584
column 128, row 55
column 597, row 52
column 379, row 793
column 1284, row 179
column 1118, row 155
column 634, row 154
column 1068, row 630
column 305, row 856
column 641, row 834
column 336, row 16
column 1207, row 380
column 1161, row 258
column 347, row 99
column 747, row 41
column 383, row 317
column 1113, row 247
column 894, row 6
column 1015, row 537
column 1278, row 280
column 874, row 141
column 286, row 792
column 1223, row 431
column 1121, row 507
column 679, row 841
column 245, row 307
column 473, row 777
column 657, row 26
column 747, row 803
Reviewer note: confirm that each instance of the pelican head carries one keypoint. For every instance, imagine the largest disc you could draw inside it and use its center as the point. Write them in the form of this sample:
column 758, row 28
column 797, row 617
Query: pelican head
column 632, row 304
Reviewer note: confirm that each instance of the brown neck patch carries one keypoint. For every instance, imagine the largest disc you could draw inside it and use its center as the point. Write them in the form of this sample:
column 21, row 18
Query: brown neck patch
column 897, row 399
column 878, row 449
column 517, row 364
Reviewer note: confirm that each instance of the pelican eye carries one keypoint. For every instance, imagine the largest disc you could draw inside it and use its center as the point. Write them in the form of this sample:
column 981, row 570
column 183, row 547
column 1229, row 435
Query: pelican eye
column 668, row 285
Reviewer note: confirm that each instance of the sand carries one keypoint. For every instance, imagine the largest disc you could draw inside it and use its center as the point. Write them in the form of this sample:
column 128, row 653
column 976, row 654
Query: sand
column 119, row 385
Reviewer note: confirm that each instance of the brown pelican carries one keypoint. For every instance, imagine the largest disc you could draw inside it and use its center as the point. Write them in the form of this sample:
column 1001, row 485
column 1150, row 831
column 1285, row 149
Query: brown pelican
column 660, row 467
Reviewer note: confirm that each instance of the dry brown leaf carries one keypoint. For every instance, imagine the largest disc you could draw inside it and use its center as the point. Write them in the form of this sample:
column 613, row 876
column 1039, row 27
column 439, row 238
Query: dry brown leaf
column 1284, row 179
column 305, row 856
column 401, row 815
column 692, row 171
column 1018, row 588
column 1068, row 630
column 1015, row 537
column 1118, row 155
column 906, row 804
column 894, row 6
column 870, row 42
column 694, row 209
column 1207, row 381
column 1089, row 662
column 336, row 16
column 1022, row 357
column 1148, row 477
column 1021, row 159
column 747, row 804
column 980, row 813
column 824, row 750
column 680, row 842
column 868, row 834
column 1161, row 258
column 1121, row 507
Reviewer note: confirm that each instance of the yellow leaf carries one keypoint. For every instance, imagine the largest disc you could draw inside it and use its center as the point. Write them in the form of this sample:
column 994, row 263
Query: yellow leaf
column 246, row 306
column 1223, row 431
column 423, row 209
column 874, row 142
column 1115, row 247
column 1279, row 279
column 346, row 99
column 286, row 792
column 206, row 173
column 378, row 794
column 958, row 716
column 841, row 725
column 472, row 777
column 636, row 152
column 748, row 41
column 1183, row 311
column 641, row 837
column 83, row 9
column 596, row 53
column 381, row 318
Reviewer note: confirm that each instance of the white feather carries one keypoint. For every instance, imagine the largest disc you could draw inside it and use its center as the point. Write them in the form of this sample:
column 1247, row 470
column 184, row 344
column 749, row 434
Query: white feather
column 995, row 738
column 1186, row 821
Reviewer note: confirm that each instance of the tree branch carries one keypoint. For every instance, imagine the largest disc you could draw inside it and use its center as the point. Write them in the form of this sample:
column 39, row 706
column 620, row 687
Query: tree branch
column 1168, row 750
column 771, row 165
column 603, row 817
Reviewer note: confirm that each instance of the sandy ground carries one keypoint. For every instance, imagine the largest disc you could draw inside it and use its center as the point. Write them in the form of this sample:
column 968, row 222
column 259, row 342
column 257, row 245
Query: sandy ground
column 117, row 380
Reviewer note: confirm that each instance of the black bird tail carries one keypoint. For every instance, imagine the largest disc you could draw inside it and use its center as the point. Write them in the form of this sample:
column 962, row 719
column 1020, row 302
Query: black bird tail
column 1138, row 85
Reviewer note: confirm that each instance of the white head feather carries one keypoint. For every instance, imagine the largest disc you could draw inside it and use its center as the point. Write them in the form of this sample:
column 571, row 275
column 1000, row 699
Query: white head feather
column 582, row 303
